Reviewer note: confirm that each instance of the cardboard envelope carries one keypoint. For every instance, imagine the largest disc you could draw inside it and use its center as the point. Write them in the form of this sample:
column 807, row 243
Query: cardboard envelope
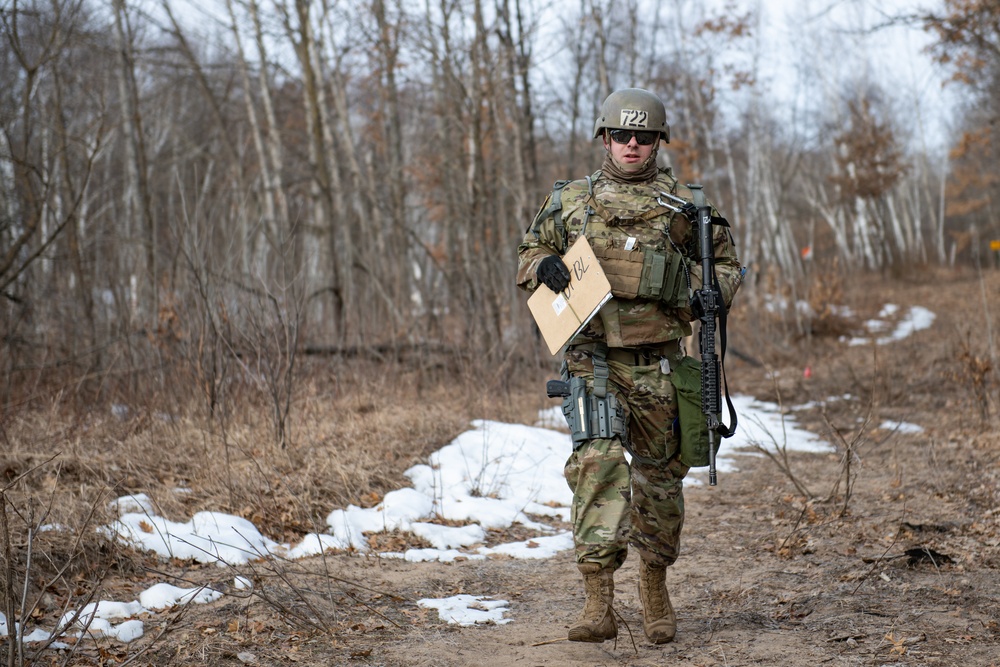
column 561, row 316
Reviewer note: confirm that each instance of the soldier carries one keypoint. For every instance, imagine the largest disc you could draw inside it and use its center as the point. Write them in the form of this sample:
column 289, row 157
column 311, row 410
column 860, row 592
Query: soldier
column 637, row 217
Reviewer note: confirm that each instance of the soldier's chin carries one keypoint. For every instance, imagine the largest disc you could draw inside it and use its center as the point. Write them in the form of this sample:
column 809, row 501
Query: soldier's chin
column 630, row 167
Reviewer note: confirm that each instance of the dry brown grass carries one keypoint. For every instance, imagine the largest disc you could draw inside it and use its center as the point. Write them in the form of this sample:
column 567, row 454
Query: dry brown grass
column 355, row 426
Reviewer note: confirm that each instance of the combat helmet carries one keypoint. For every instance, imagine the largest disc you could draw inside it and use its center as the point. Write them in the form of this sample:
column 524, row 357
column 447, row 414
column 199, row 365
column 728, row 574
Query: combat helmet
column 633, row 109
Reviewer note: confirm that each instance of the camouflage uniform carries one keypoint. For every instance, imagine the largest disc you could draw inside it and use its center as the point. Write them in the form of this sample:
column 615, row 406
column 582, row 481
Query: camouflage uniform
column 614, row 504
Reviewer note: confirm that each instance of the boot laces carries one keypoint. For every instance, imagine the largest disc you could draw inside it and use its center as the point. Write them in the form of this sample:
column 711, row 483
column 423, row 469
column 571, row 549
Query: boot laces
column 597, row 595
column 656, row 588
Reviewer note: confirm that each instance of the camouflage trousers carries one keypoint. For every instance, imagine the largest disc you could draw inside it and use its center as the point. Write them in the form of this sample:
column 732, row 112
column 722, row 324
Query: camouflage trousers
column 615, row 503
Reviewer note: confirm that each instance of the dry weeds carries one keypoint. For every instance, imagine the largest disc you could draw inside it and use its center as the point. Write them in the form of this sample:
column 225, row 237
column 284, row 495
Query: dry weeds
column 806, row 578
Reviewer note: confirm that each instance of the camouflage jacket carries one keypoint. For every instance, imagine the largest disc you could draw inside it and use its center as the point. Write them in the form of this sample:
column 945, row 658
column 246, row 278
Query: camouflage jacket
column 624, row 216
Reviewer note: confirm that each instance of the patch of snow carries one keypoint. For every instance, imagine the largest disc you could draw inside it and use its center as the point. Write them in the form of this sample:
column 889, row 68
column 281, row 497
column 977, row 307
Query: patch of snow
column 901, row 427
column 466, row 610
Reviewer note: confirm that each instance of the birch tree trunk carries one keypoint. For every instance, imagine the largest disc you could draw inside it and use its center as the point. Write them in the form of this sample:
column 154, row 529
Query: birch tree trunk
column 137, row 199
column 257, row 251
column 272, row 129
column 580, row 49
column 597, row 15
column 326, row 243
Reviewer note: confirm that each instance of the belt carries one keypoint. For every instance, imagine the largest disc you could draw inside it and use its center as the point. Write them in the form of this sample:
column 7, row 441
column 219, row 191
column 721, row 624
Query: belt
column 643, row 355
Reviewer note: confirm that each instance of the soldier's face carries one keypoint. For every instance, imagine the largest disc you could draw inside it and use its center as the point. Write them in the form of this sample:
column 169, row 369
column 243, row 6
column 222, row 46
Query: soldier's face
column 630, row 156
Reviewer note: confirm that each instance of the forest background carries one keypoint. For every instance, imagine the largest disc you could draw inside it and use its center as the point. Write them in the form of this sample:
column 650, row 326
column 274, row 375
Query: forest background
column 248, row 250
column 177, row 184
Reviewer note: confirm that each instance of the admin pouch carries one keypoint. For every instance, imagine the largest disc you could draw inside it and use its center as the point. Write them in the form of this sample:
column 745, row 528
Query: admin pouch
column 686, row 378
column 645, row 274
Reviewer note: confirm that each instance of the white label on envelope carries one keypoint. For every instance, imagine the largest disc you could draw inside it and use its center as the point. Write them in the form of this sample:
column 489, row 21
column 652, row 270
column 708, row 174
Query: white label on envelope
column 559, row 304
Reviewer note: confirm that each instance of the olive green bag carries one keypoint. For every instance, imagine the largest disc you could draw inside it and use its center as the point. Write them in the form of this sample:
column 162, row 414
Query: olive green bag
column 686, row 378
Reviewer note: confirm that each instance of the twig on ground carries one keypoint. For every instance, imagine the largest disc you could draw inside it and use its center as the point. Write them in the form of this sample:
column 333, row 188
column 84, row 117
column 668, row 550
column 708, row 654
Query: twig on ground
column 779, row 456
column 881, row 558
column 551, row 641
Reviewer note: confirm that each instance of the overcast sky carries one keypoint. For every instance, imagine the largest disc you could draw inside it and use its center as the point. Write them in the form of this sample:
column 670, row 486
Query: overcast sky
column 832, row 42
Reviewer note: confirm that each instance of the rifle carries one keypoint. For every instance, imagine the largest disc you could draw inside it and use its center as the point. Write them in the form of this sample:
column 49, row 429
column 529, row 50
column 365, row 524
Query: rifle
column 708, row 306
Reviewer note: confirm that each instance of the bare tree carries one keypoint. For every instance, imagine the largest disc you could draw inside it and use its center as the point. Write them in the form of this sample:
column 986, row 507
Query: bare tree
column 165, row 183
column 137, row 197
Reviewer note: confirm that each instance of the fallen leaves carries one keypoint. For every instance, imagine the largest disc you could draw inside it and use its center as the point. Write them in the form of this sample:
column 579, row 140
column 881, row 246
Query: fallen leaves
column 251, row 628
column 396, row 541
column 901, row 643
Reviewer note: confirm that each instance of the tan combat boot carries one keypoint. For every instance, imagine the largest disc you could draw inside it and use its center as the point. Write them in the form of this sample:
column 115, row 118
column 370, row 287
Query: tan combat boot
column 597, row 622
column 659, row 621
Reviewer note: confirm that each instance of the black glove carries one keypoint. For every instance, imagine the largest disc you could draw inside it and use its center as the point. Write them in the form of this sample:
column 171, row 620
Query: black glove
column 552, row 273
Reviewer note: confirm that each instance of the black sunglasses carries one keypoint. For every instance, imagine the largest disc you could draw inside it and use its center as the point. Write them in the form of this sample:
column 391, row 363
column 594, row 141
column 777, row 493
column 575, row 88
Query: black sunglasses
column 641, row 138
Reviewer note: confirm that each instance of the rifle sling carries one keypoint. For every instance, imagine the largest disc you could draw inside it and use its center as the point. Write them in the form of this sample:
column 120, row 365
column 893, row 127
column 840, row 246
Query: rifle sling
column 723, row 430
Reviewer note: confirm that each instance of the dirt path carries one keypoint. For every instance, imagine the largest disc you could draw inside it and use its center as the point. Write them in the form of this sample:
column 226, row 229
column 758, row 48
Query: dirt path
column 751, row 589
